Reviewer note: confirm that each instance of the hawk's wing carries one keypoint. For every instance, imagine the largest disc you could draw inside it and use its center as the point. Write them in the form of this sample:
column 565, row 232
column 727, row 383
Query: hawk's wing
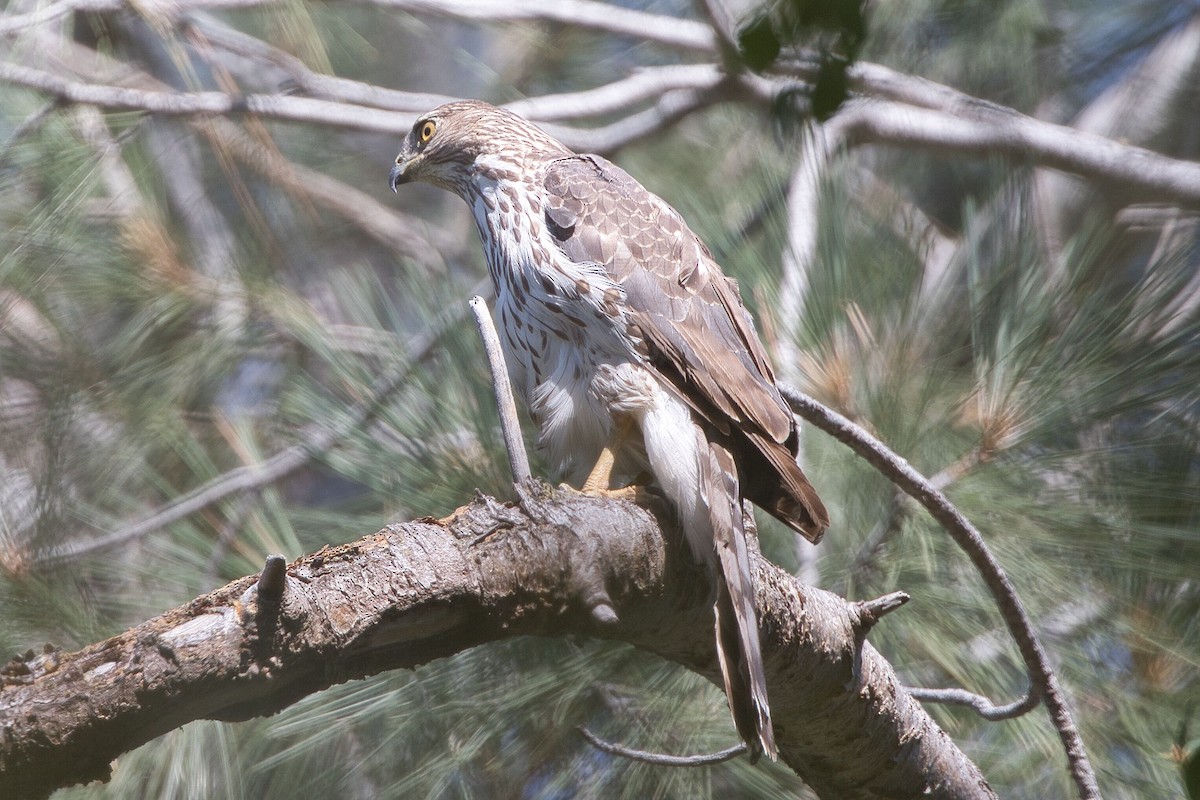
column 699, row 335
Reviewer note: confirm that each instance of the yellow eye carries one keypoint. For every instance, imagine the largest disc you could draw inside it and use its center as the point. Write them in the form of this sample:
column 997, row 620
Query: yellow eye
column 427, row 131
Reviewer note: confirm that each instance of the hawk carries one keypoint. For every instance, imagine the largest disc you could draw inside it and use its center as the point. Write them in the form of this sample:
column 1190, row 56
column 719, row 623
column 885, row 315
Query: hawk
column 629, row 345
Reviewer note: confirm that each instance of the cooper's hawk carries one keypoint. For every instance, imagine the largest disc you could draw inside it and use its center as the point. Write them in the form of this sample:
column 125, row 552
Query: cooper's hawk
column 613, row 315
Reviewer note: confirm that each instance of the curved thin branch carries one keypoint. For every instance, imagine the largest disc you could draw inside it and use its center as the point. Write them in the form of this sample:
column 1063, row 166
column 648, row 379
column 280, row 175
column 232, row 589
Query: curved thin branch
column 670, row 108
column 643, row 85
column 896, row 469
column 660, row 759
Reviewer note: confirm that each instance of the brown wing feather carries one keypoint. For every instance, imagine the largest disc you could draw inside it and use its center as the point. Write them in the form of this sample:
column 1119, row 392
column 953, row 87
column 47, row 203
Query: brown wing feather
column 691, row 318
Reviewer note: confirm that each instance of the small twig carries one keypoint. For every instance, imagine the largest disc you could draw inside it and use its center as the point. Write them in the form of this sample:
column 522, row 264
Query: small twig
column 1044, row 683
column 505, row 404
column 661, row 759
column 977, row 702
column 866, row 614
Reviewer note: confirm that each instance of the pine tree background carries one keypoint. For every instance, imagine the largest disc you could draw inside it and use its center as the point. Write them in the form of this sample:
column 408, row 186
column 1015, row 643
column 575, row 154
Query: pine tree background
column 173, row 309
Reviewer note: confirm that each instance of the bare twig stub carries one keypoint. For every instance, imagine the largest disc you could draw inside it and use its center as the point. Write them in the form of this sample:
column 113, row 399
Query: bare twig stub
column 510, row 426
column 273, row 578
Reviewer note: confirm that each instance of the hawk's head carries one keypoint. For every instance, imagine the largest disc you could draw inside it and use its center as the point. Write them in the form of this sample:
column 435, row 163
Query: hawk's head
column 446, row 144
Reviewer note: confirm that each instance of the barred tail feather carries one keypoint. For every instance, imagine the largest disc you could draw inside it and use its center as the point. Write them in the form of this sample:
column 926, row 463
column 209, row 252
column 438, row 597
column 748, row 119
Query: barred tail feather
column 738, row 647
column 700, row 478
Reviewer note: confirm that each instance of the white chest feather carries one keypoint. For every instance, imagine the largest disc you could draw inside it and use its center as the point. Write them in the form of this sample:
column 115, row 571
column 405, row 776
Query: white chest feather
column 559, row 322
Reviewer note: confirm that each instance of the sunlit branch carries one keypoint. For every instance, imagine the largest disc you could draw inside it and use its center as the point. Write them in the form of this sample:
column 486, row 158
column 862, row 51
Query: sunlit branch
column 803, row 217
column 992, row 130
column 644, row 85
column 281, row 107
column 670, row 108
column 646, row 27
column 326, row 87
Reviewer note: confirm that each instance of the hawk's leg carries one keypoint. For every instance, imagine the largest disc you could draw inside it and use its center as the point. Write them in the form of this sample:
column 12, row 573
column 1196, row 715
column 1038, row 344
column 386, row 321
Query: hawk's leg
column 599, row 480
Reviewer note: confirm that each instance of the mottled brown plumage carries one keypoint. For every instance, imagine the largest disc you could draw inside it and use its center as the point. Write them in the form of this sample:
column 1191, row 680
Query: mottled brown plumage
column 698, row 334
column 611, row 309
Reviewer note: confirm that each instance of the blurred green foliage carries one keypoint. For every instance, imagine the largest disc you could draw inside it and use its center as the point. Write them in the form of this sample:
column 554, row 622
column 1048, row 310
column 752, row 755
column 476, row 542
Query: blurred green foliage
column 1056, row 383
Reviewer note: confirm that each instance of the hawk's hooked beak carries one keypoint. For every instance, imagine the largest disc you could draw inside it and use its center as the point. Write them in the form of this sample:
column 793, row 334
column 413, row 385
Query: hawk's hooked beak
column 406, row 163
column 397, row 176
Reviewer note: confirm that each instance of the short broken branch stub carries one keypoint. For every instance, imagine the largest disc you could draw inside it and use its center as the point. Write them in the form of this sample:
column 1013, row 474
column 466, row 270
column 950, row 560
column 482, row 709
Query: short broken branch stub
column 871, row 611
column 273, row 579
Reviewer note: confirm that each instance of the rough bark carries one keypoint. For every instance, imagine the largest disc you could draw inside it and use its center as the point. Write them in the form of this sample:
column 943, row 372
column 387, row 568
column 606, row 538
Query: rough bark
column 414, row 592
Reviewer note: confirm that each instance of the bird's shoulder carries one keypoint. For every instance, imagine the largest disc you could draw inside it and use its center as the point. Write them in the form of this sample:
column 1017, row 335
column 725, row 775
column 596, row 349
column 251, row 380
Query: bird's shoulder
column 687, row 310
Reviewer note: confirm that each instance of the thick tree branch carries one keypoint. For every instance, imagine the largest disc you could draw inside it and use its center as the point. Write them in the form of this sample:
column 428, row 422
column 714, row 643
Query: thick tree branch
column 415, row 592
